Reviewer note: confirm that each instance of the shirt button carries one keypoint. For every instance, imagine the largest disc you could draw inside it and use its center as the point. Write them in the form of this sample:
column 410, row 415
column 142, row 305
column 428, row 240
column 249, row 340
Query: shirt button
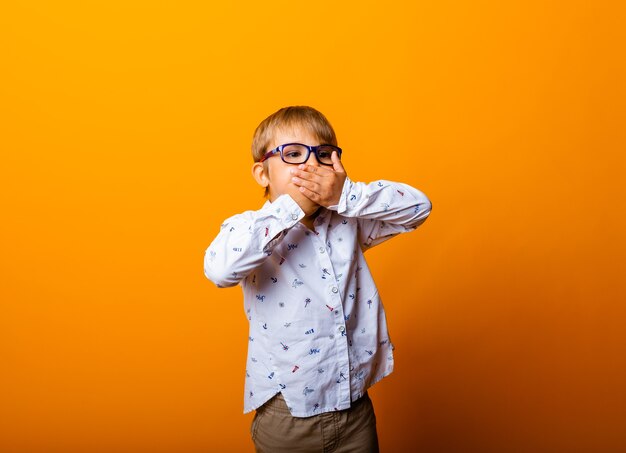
column 294, row 216
column 322, row 249
column 335, row 289
column 341, row 329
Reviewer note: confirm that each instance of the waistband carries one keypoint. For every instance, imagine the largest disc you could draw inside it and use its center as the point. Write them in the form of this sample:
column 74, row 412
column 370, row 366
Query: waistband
column 278, row 404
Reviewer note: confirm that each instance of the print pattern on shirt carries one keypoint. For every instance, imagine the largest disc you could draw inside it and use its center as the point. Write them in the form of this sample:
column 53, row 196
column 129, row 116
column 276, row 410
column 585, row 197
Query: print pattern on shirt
column 317, row 327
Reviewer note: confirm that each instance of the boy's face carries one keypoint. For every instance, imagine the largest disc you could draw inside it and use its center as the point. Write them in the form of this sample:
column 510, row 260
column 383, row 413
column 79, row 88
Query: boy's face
column 278, row 173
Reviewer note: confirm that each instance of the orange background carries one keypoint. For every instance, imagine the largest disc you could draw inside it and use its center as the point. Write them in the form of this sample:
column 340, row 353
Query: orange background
column 125, row 130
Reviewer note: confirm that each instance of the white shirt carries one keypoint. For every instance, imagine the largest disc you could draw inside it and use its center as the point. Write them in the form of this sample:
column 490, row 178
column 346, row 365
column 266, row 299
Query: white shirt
column 318, row 331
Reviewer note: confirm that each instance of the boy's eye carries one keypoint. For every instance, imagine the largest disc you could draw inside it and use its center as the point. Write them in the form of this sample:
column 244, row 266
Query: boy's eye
column 324, row 154
column 293, row 153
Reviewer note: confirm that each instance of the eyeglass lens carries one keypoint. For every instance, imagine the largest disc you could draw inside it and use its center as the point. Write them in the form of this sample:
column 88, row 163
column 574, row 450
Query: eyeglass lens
column 297, row 154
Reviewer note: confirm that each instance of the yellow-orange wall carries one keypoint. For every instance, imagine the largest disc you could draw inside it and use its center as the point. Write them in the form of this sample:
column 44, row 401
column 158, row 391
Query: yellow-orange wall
column 125, row 129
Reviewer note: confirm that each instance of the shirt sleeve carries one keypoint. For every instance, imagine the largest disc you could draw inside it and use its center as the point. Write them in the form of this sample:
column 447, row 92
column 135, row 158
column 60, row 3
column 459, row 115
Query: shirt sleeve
column 383, row 209
column 245, row 240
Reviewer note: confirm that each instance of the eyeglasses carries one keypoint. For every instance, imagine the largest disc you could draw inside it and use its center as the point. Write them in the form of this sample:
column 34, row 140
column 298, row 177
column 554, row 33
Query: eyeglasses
column 297, row 153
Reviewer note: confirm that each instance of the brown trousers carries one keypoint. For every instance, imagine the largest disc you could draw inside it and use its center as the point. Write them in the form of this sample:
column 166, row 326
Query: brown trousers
column 275, row 430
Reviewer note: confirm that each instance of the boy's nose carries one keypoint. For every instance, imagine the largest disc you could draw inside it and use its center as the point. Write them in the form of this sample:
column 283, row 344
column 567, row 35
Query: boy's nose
column 312, row 160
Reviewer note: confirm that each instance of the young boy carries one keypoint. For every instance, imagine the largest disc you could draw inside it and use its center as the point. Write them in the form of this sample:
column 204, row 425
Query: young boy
column 318, row 334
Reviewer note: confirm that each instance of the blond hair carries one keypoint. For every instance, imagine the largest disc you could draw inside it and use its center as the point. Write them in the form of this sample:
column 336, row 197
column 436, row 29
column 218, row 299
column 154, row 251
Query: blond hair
column 300, row 115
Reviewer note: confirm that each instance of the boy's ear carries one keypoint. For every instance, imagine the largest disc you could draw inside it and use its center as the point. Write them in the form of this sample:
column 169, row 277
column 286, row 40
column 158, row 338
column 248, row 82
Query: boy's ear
column 260, row 175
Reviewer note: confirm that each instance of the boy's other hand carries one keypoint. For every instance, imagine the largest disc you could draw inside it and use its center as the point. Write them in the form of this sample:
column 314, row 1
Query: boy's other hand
column 321, row 184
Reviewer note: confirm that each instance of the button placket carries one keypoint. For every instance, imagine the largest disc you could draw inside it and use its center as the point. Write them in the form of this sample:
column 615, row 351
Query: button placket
column 341, row 338
column 333, row 292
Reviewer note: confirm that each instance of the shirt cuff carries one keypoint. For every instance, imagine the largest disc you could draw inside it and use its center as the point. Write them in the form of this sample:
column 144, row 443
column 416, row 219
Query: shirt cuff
column 287, row 213
column 342, row 206
column 291, row 211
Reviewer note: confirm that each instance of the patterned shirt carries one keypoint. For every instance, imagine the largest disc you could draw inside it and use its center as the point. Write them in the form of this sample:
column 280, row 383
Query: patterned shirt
column 318, row 331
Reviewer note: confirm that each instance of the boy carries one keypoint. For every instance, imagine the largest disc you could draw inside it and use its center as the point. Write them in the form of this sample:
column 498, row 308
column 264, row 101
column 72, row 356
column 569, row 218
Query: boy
column 318, row 334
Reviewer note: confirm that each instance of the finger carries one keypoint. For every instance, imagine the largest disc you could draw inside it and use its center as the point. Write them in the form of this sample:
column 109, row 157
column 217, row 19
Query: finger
column 308, row 168
column 313, row 186
column 337, row 165
column 306, row 175
column 312, row 169
column 309, row 194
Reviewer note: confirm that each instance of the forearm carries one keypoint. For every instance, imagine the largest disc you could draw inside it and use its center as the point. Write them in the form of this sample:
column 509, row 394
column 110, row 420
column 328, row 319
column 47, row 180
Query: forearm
column 392, row 202
column 246, row 240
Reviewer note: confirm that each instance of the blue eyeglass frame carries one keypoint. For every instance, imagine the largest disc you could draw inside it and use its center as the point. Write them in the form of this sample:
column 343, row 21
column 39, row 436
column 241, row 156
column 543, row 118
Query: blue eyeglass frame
column 279, row 149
